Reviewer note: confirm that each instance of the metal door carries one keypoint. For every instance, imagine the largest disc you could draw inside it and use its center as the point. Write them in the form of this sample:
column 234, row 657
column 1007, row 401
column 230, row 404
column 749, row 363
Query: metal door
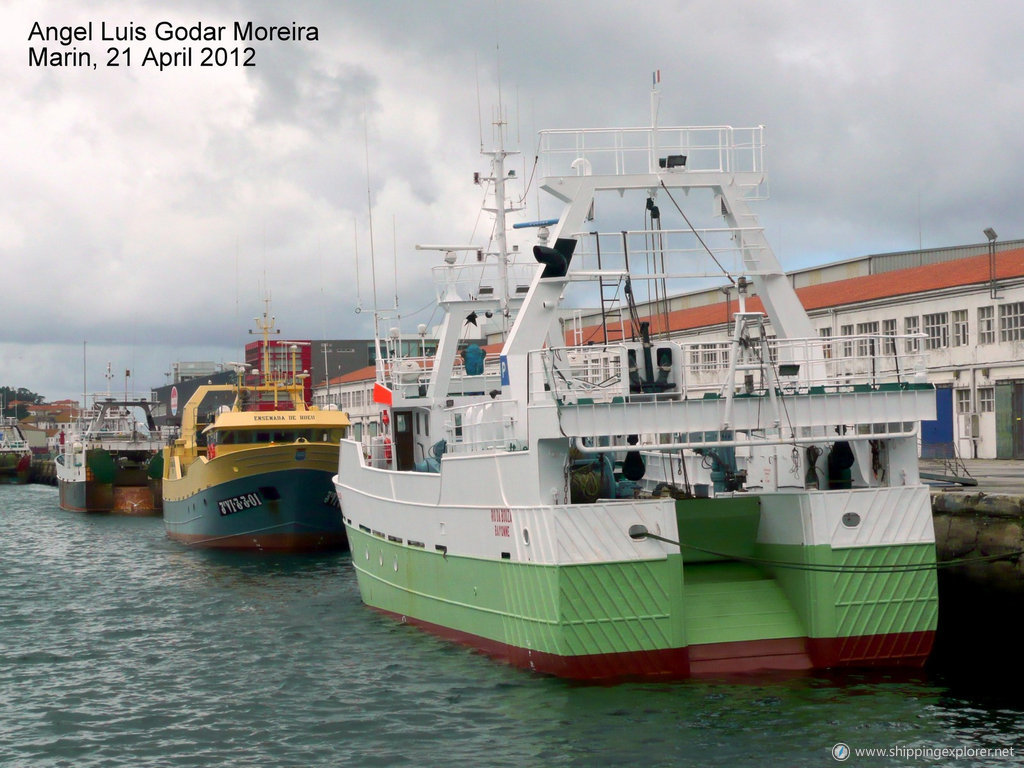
column 937, row 435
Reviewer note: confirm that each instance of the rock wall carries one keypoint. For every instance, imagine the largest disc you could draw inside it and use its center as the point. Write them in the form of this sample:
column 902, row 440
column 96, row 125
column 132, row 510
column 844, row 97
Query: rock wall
column 973, row 525
column 978, row 637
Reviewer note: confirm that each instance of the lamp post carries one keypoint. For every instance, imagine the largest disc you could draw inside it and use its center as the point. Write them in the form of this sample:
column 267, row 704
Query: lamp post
column 991, row 235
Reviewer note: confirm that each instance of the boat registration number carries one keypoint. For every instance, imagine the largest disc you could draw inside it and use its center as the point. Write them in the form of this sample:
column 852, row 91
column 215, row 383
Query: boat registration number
column 239, row 503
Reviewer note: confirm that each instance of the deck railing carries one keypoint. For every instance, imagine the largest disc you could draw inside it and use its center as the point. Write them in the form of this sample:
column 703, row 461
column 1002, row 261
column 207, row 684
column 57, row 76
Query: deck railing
column 718, row 149
column 600, row 373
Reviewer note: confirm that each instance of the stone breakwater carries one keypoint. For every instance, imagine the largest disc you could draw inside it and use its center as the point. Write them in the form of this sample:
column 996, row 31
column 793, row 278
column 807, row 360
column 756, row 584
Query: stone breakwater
column 969, row 526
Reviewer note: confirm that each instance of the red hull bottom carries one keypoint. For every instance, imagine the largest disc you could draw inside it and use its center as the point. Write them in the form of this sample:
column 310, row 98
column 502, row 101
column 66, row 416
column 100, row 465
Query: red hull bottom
column 270, row 542
column 896, row 650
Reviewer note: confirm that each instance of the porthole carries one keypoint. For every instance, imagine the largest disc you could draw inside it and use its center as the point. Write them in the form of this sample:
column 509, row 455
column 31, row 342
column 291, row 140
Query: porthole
column 526, row 537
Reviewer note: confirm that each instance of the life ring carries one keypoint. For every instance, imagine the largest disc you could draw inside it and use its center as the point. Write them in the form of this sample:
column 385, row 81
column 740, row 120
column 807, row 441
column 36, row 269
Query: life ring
column 387, row 448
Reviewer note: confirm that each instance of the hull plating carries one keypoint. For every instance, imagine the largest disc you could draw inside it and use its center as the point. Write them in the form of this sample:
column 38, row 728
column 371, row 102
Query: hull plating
column 284, row 510
column 908, row 650
column 659, row 618
column 92, row 496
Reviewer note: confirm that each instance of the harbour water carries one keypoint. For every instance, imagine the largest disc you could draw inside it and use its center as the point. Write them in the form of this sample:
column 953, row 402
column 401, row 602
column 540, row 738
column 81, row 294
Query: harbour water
column 119, row 647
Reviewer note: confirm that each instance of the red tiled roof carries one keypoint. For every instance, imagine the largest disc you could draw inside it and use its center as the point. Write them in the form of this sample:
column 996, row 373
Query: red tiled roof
column 900, row 282
column 930, row 277
column 362, row 374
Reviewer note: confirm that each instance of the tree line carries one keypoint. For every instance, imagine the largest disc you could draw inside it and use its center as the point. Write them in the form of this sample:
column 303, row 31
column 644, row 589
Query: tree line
column 15, row 401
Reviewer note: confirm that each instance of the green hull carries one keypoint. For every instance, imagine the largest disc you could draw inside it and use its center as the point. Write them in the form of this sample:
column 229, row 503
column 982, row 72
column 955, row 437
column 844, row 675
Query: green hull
column 686, row 614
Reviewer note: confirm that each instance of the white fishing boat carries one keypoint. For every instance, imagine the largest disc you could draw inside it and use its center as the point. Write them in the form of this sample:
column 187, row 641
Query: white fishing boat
column 525, row 509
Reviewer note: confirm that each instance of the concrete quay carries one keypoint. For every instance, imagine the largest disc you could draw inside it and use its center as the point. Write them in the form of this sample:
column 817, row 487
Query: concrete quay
column 976, row 522
column 980, row 593
column 1004, row 476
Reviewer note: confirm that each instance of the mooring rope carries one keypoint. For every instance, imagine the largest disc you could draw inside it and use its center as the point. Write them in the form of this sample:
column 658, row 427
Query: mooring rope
column 823, row 567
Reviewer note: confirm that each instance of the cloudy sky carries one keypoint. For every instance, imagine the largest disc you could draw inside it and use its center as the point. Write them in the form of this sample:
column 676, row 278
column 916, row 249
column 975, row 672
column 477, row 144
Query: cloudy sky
column 146, row 212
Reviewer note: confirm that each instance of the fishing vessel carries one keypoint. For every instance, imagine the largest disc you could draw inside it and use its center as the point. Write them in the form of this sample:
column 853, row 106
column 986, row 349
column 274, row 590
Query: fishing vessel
column 111, row 461
column 15, row 455
column 252, row 468
column 608, row 501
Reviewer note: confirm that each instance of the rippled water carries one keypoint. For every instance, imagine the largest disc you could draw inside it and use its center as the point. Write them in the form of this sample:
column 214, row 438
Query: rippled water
column 121, row 648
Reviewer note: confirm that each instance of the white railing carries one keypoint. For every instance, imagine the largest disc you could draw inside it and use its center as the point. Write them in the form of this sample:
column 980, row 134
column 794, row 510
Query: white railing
column 483, row 281
column 720, row 149
column 601, row 373
column 410, row 376
column 484, row 426
column 378, row 451
column 406, row 375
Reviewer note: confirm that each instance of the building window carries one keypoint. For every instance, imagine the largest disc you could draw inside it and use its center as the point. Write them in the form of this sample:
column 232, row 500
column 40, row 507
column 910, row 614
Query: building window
column 936, row 330
column 1011, row 321
column 826, row 337
column 867, row 347
column 889, row 342
column 960, row 328
column 912, row 327
column 847, row 331
column 986, row 325
column 963, row 401
column 986, row 398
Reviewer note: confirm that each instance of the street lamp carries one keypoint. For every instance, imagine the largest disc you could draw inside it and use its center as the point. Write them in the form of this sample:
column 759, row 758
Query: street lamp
column 991, row 235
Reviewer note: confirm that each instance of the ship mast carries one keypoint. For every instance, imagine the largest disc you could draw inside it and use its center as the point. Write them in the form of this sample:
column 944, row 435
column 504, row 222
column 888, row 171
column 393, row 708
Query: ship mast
column 500, row 209
column 266, row 325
